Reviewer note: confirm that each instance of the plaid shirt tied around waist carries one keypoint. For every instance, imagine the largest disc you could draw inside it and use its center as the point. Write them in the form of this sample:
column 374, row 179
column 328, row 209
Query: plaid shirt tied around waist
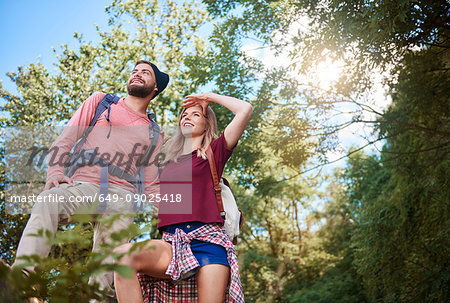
column 183, row 260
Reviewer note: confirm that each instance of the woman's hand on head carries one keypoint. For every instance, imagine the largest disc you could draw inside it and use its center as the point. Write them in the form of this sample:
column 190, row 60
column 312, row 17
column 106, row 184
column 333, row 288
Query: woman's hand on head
column 242, row 110
column 197, row 99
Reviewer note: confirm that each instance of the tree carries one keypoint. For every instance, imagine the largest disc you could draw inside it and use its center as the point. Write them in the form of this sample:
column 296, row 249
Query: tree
column 368, row 39
column 331, row 276
column 402, row 234
column 407, row 41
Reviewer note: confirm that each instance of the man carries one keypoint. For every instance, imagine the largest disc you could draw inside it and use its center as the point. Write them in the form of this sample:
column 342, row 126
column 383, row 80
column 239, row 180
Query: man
column 120, row 135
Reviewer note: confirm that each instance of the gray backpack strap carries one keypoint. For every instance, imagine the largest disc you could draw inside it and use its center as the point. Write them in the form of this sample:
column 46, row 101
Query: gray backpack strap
column 73, row 163
column 154, row 132
column 138, row 181
column 140, row 189
column 80, row 157
column 103, row 188
column 111, row 169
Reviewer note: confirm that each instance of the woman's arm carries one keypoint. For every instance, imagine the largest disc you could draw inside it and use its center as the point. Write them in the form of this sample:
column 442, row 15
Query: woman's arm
column 242, row 110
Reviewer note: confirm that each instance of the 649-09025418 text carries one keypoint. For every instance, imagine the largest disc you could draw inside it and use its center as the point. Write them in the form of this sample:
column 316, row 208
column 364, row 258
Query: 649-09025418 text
column 112, row 198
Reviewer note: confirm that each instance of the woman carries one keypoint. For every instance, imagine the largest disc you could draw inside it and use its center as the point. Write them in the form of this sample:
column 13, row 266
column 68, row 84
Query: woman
column 214, row 262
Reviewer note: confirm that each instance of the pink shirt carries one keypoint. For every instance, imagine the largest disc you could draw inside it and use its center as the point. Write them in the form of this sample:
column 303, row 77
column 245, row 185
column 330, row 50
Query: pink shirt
column 129, row 131
column 191, row 177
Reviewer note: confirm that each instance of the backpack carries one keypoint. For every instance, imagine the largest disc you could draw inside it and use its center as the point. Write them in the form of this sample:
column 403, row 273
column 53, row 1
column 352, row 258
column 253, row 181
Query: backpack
column 225, row 201
column 79, row 157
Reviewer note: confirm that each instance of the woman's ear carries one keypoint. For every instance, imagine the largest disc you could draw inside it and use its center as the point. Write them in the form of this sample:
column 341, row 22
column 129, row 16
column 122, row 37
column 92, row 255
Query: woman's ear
column 205, row 109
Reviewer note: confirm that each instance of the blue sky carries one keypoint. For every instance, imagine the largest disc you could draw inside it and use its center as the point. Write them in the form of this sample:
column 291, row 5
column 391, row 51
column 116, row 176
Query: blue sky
column 29, row 29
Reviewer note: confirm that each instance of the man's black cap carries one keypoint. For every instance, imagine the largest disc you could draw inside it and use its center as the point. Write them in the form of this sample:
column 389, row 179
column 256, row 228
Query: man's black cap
column 162, row 79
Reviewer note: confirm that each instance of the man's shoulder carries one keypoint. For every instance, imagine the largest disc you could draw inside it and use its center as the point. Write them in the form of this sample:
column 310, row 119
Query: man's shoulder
column 94, row 99
column 97, row 96
column 92, row 102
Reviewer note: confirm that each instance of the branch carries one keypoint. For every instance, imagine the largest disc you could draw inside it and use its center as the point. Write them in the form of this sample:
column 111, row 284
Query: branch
column 435, row 45
column 297, row 225
column 414, row 152
column 331, row 162
column 436, row 70
column 418, row 127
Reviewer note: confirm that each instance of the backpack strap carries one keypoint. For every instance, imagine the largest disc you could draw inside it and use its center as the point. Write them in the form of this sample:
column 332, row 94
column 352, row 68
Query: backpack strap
column 107, row 169
column 105, row 104
column 154, row 132
column 138, row 181
column 217, row 189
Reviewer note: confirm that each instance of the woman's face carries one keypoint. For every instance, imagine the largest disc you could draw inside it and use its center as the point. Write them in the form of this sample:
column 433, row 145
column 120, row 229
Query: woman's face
column 192, row 122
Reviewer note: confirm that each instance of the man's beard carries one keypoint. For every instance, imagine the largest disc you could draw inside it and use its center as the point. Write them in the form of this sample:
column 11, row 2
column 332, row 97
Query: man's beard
column 140, row 91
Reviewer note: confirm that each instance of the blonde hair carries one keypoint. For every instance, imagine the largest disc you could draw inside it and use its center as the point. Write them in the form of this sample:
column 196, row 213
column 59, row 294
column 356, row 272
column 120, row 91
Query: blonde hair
column 174, row 147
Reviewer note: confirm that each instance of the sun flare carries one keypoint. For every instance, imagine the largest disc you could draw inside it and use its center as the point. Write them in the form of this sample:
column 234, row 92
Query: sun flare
column 326, row 73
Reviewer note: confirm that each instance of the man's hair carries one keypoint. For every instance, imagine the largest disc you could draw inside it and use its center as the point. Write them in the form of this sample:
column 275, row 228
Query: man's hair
column 174, row 147
column 142, row 61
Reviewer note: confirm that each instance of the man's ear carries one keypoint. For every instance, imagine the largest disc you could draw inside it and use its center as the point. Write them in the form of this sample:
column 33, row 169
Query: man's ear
column 155, row 90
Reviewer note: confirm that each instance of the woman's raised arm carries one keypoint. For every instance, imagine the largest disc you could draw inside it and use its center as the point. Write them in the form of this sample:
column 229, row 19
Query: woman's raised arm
column 242, row 110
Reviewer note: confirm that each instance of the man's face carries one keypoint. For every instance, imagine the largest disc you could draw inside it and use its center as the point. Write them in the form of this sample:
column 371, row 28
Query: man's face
column 142, row 81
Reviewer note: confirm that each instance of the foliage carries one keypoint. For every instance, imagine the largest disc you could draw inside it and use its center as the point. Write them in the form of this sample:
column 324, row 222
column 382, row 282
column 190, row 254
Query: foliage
column 335, row 279
column 368, row 34
column 273, row 243
column 403, row 203
column 64, row 276
column 382, row 234
column 402, row 236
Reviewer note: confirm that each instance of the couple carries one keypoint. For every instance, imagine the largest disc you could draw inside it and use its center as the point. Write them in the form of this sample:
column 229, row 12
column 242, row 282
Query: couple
column 196, row 131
